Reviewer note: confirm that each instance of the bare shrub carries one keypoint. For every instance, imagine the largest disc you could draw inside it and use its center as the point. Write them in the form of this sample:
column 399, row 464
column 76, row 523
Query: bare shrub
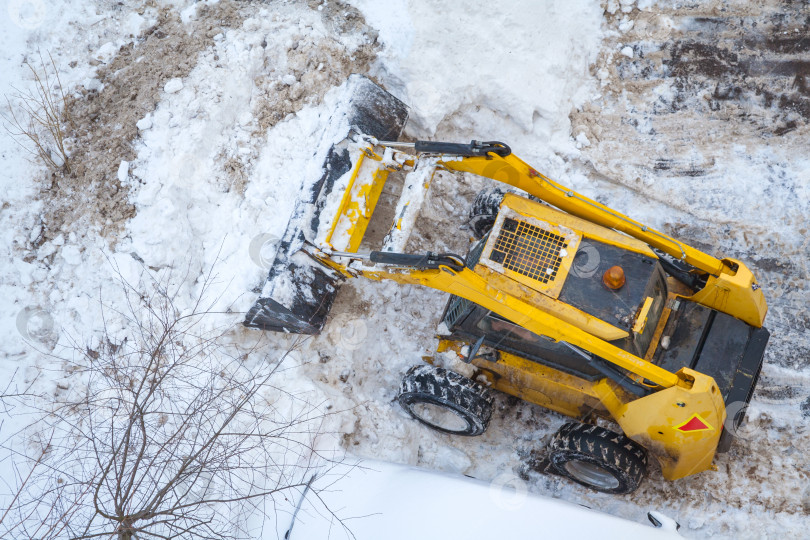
column 173, row 433
column 37, row 118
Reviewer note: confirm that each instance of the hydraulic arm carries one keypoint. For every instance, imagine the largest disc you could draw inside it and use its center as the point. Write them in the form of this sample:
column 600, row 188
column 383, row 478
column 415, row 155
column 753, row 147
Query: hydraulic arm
column 730, row 285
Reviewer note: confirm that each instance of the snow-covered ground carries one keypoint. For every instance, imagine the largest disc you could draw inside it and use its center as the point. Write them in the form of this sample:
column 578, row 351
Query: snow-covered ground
column 197, row 121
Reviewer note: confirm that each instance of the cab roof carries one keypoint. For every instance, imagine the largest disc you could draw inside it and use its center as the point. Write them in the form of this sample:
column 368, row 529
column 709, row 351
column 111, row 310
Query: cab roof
column 564, row 257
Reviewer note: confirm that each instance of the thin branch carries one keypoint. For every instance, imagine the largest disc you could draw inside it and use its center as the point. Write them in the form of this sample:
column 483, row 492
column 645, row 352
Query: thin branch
column 40, row 127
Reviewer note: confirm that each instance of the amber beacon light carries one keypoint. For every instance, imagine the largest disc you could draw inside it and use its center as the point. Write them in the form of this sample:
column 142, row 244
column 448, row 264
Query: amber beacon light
column 613, row 278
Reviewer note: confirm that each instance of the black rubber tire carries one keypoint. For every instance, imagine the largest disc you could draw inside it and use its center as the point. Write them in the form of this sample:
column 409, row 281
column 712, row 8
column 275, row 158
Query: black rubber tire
column 484, row 210
column 470, row 401
column 577, row 445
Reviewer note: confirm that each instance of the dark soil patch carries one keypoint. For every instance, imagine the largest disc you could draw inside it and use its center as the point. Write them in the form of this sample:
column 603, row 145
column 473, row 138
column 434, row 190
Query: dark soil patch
column 104, row 121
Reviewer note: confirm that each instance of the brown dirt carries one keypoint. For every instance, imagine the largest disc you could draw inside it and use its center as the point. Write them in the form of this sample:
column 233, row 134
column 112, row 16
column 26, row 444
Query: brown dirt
column 740, row 66
column 316, row 66
column 104, row 121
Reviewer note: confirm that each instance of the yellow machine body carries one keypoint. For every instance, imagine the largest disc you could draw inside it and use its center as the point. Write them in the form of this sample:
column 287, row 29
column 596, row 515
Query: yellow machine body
column 651, row 421
column 665, row 420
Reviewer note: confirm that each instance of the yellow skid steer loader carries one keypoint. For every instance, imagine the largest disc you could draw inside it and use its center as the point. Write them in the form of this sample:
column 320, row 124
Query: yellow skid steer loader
column 559, row 301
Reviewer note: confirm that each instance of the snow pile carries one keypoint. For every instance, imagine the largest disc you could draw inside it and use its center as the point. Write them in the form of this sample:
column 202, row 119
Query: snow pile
column 46, row 277
column 196, row 213
column 488, row 71
column 187, row 202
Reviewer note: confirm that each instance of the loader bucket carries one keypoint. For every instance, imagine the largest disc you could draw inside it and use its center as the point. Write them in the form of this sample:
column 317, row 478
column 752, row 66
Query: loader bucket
column 299, row 290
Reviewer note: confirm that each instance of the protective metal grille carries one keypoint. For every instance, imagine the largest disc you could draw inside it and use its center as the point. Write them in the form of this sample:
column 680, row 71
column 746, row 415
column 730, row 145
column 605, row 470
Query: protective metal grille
column 528, row 250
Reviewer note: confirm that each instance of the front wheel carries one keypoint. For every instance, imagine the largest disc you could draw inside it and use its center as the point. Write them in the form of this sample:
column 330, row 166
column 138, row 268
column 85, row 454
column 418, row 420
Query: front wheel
column 598, row 458
column 446, row 401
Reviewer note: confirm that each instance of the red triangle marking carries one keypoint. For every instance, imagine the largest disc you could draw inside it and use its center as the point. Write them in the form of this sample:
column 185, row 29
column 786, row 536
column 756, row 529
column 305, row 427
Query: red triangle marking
column 693, row 424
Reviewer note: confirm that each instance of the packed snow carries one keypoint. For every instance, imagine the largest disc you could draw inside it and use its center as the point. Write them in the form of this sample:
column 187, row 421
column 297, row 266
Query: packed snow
column 199, row 175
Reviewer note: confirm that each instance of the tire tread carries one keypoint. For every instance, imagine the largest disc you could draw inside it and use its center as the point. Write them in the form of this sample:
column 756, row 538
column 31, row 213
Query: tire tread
column 622, row 456
column 471, row 400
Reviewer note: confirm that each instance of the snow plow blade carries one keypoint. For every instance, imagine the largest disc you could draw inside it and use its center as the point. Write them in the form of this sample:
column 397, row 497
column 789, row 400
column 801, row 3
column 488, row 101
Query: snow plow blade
column 299, row 290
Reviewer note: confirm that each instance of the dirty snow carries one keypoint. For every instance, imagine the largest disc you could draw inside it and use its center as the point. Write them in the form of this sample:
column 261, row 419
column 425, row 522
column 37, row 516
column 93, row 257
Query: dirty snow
column 583, row 91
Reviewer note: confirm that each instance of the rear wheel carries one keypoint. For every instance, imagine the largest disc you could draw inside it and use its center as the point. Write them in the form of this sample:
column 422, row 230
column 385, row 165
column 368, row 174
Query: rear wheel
column 598, row 458
column 446, row 401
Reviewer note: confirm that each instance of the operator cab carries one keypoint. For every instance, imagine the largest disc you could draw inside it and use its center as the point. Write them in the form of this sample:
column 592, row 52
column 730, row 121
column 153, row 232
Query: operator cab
column 469, row 322
column 563, row 258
